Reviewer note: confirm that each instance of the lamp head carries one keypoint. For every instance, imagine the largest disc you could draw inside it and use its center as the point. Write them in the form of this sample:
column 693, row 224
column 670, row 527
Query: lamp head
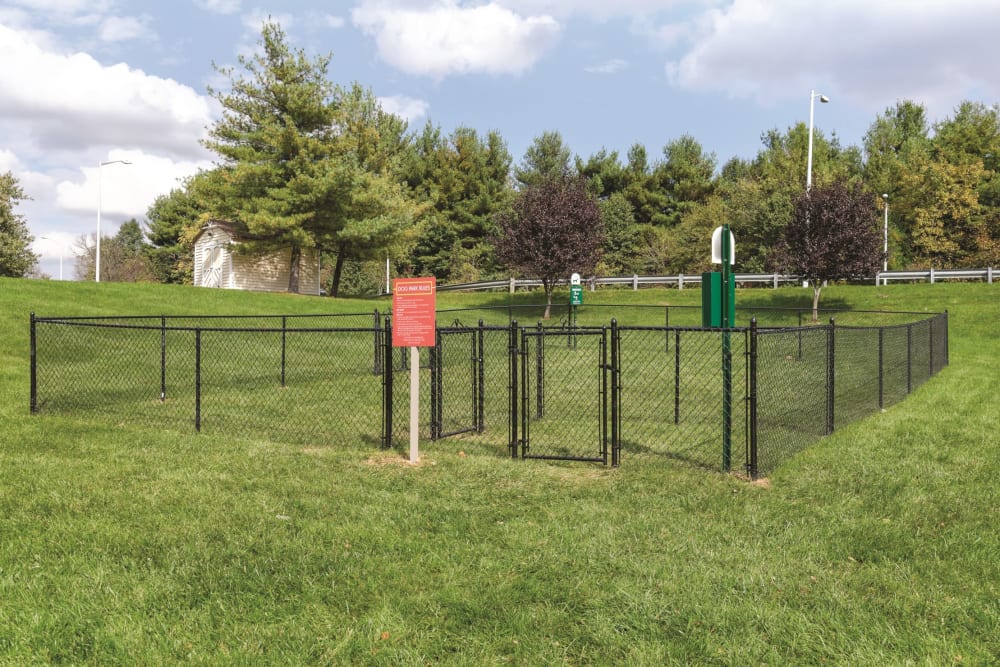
column 824, row 99
column 885, row 196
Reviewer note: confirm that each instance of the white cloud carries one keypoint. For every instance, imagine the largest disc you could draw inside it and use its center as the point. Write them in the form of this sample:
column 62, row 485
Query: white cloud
column 610, row 67
column 601, row 9
column 127, row 190
column 332, row 21
column 9, row 161
column 123, row 28
column 71, row 102
column 861, row 51
column 441, row 38
column 219, row 6
column 408, row 108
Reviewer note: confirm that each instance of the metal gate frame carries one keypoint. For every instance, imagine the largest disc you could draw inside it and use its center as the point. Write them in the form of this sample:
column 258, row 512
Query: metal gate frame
column 476, row 381
column 522, row 404
column 519, row 402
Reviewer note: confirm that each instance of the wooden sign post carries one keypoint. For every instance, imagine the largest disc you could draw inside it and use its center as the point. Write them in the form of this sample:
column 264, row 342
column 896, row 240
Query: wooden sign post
column 414, row 326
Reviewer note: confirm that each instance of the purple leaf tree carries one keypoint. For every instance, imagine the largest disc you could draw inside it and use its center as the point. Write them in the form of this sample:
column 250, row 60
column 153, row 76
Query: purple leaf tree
column 553, row 229
column 833, row 235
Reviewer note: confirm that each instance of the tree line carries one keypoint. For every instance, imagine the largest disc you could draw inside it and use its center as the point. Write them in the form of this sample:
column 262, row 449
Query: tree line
column 304, row 163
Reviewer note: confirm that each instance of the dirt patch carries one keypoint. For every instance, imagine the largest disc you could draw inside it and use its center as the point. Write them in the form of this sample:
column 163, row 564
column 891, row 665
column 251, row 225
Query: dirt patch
column 394, row 459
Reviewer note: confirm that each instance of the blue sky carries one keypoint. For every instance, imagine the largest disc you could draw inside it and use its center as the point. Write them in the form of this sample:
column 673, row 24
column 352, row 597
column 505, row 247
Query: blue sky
column 86, row 81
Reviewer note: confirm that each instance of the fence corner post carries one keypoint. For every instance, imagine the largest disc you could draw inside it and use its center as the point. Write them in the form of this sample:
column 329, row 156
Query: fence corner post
column 512, row 424
column 752, row 469
column 512, row 284
column 163, row 358
column 387, row 397
column 34, row 367
column 197, row 380
column 831, row 351
column 616, row 396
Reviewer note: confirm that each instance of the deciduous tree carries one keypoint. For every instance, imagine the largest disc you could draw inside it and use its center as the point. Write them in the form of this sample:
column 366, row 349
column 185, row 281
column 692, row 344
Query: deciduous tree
column 833, row 235
column 16, row 257
column 552, row 230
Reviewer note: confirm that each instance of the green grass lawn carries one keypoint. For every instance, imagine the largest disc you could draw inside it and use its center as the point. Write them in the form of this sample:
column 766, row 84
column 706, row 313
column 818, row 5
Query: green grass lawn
column 125, row 542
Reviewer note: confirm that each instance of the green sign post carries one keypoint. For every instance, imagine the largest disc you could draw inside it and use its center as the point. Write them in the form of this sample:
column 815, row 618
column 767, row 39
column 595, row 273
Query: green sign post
column 718, row 310
column 575, row 299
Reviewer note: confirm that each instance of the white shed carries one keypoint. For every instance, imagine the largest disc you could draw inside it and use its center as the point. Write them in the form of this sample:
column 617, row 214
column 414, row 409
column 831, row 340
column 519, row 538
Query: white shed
column 217, row 265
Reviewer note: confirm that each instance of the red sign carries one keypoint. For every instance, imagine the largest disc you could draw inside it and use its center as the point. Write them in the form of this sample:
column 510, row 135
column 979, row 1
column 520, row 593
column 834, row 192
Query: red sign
column 413, row 316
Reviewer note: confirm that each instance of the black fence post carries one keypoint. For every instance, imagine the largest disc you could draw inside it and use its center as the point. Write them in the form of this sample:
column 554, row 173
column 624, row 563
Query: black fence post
column 525, row 398
column 540, row 371
column 830, row 375
column 480, row 379
column 946, row 338
column 909, row 358
column 930, row 348
column 881, row 368
column 666, row 326
column 677, row 376
column 197, row 380
column 602, row 391
column 752, row 400
column 512, row 387
column 616, row 396
column 435, row 366
column 163, row 358
column 284, row 329
column 387, row 398
column 800, row 334
column 377, row 366
column 34, row 367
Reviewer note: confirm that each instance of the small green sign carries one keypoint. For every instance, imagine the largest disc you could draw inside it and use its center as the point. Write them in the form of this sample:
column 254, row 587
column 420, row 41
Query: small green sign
column 576, row 295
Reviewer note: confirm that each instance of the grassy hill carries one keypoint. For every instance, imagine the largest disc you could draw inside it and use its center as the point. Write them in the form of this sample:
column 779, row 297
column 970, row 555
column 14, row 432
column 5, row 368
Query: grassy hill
column 128, row 544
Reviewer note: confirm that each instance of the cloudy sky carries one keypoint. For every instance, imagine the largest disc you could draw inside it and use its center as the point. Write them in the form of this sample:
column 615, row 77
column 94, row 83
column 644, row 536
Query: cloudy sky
column 88, row 81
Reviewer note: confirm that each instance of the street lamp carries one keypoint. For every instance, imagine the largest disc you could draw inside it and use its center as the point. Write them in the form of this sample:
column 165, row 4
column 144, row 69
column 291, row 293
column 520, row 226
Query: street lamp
column 809, row 161
column 97, row 256
column 885, row 237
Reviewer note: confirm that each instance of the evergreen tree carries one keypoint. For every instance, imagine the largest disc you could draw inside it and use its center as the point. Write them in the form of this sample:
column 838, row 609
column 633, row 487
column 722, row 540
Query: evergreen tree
column 547, row 157
column 464, row 181
column 305, row 164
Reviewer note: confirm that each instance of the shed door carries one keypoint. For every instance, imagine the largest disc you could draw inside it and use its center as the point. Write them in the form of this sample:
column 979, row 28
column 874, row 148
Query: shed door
column 211, row 268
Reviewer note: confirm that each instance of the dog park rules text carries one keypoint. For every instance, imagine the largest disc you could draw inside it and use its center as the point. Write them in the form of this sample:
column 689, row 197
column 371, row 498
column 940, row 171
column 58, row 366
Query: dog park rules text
column 413, row 318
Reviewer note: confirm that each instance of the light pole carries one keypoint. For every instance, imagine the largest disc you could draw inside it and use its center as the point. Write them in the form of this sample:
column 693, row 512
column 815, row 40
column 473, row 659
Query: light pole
column 97, row 256
column 885, row 237
column 809, row 161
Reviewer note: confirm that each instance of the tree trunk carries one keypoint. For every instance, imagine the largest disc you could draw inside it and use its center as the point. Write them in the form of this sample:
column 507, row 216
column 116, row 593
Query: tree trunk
column 293, row 270
column 817, row 288
column 337, row 270
column 548, row 299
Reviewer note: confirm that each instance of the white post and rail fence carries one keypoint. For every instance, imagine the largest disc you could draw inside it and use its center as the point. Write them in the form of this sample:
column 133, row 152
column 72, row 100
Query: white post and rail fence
column 774, row 280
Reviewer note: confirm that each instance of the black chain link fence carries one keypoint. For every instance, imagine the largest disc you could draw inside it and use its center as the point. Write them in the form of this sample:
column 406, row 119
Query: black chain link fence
column 281, row 377
column 656, row 389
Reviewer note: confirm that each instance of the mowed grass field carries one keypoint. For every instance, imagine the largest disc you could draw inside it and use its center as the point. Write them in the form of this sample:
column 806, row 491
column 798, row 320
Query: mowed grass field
column 128, row 543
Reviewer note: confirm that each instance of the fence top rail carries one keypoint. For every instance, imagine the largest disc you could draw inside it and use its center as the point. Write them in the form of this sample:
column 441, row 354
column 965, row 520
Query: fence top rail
column 698, row 329
column 150, row 327
column 899, row 325
column 103, row 318
column 192, row 322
